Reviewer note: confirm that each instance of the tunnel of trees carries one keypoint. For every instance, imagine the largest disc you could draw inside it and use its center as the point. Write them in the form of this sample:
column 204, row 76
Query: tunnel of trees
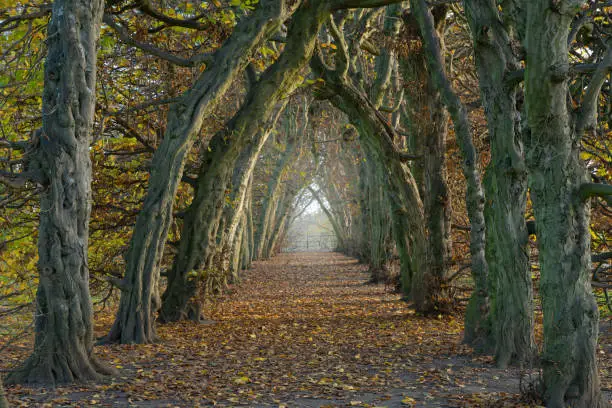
column 151, row 151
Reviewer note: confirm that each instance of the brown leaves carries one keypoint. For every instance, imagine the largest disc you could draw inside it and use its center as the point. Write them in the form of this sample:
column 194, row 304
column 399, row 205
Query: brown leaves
column 300, row 330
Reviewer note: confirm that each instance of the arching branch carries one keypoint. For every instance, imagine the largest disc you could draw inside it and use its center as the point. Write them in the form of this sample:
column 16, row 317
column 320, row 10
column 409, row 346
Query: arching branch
column 124, row 36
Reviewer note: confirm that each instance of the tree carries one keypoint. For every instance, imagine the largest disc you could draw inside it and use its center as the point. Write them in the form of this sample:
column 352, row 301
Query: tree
column 476, row 319
column 377, row 140
column 3, row 401
column 426, row 121
column 198, row 238
column 140, row 301
column 510, row 287
column 560, row 190
column 58, row 159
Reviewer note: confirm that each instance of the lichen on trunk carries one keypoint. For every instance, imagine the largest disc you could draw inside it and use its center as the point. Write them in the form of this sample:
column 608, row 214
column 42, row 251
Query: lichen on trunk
column 556, row 173
column 426, row 120
column 511, row 293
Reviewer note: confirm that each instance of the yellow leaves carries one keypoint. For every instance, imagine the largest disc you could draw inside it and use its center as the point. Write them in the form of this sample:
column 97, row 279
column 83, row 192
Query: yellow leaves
column 411, row 402
column 242, row 380
column 329, row 45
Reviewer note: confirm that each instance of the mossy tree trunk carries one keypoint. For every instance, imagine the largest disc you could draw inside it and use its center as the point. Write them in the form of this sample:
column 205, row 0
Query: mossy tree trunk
column 198, row 235
column 511, row 293
column 377, row 138
column 379, row 223
column 241, row 178
column 3, row 401
column 63, row 341
column 135, row 320
column 476, row 320
column 426, row 119
column 556, row 180
column 273, row 197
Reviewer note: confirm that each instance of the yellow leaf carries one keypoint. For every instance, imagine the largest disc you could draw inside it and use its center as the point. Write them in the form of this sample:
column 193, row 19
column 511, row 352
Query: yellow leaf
column 241, row 380
column 409, row 401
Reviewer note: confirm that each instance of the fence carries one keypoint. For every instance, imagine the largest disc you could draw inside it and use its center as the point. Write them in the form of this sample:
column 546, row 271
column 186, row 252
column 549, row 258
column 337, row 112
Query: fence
column 310, row 242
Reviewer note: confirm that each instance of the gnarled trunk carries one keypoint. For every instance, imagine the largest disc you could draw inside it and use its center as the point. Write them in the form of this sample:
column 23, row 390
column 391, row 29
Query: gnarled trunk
column 556, row 175
column 63, row 342
column 427, row 121
column 241, row 178
column 511, row 293
column 198, row 235
column 376, row 138
column 3, row 402
column 476, row 319
column 135, row 320
column 263, row 231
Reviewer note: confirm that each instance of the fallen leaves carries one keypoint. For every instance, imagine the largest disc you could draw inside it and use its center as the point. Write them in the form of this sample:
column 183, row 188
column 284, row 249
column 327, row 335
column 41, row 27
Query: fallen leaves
column 299, row 330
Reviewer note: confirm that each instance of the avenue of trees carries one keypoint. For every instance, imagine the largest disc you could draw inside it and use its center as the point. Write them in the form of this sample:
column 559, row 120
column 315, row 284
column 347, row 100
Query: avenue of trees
column 152, row 150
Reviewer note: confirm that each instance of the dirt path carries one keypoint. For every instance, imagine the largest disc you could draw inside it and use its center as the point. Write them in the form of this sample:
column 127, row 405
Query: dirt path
column 301, row 330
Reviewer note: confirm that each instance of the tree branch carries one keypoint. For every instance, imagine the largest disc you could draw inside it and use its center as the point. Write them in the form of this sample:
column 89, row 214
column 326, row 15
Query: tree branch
column 588, row 190
column 603, row 256
column 15, row 180
column 588, row 111
column 514, row 77
column 145, row 7
column 21, row 146
column 342, row 56
column 124, row 36
column 347, row 4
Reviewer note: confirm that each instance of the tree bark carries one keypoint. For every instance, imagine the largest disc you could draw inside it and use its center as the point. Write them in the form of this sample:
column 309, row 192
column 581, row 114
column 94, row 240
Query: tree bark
column 63, row 342
column 562, row 218
column 376, row 137
column 511, row 293
column 275, row 187
column 3, row 402
column 135, row 320
column 476, row 320
column 427, row 121
column 197, row 237
column 242, row 176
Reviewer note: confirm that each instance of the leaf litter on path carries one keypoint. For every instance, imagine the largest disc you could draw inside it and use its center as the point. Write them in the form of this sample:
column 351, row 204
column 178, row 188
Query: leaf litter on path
column 300, row 330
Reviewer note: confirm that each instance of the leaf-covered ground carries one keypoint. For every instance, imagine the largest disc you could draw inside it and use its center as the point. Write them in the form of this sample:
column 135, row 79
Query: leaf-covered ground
column 301, row 330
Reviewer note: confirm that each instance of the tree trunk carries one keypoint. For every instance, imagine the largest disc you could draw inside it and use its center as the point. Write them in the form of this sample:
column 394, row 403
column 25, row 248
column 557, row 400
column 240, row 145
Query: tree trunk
column 556, row 174
column 3, row 402
column 376, row 138
column 476, row 319
column 379, row 221
column 332, row 220
column 197, row 238
column 427, row 121
column 63, row 343
column 249, row 227
column 135, row 320
column 285, row 210
column 270, row 203
column 241, row 178
column 511, row 293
